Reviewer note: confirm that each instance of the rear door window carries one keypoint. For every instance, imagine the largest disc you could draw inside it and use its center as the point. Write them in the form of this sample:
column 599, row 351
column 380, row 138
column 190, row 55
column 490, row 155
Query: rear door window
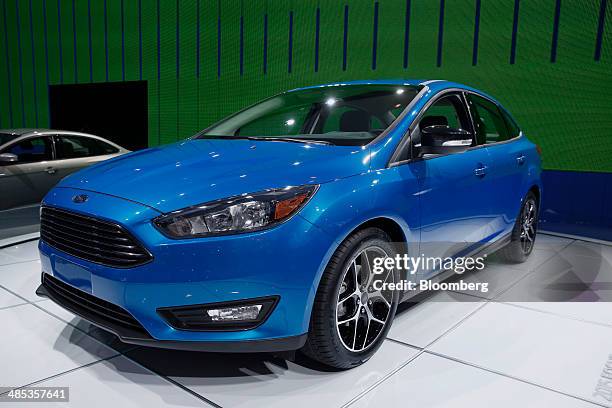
column 71, row 147
column 488, row 121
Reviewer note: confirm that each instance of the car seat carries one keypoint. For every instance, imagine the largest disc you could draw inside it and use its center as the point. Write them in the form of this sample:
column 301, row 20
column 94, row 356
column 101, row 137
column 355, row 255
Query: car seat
column 355, row 121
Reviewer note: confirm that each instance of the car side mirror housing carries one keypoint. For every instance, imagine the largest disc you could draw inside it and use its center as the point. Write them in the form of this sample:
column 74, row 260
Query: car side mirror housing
column 440, row 139
column 7, row 158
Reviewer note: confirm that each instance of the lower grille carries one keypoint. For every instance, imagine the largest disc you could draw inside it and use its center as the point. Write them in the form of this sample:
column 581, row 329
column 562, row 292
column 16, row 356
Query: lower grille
column 91, row 239
column 93, row 309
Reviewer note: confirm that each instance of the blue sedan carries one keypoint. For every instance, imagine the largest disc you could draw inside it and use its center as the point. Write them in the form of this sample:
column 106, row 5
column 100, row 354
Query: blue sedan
column 261, row 233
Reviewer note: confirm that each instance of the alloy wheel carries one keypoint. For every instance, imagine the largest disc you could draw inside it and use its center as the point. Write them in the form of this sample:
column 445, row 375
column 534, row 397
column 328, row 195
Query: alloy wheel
column 362, row 312
column 528, row 227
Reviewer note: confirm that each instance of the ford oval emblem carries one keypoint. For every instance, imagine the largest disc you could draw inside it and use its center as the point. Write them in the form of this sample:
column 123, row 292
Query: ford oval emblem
column 80, row 198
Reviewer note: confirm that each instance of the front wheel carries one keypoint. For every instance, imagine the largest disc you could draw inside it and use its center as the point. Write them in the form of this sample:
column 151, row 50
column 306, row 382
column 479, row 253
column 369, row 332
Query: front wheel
column 524, row 232
column 350, row 317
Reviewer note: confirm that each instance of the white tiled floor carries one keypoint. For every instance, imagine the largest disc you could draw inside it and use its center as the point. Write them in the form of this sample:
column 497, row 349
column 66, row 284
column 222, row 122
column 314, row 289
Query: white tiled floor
column 271, row 382
column 540, row 337
column 21, row 278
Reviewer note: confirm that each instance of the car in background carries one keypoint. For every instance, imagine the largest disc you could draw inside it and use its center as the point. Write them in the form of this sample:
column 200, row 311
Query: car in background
column 32, row 161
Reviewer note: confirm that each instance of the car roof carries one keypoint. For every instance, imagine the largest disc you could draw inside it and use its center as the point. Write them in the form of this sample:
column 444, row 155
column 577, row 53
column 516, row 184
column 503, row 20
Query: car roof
column 435, row 84
column 412, row 82
column 42, row 131
column 24, row 133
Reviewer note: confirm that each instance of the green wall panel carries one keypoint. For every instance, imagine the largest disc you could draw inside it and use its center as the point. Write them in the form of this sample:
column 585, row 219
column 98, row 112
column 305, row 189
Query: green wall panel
column 98, row 43
column 39, row 63
column 5, row 100
column 53, row 44
column 66, row 44
column 27, row 63
column 167, row 84
column 230, row 54
column 131, row 35
column 114, row 33
column 81, row 17
column 13, row 55
column 148, row 31
column 563, row 105
column 207, row 81
column 424, row 39
column 187, row 93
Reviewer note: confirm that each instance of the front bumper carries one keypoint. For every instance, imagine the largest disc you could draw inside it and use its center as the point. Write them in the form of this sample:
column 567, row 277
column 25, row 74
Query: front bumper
column 142, row 338
column 285, row 261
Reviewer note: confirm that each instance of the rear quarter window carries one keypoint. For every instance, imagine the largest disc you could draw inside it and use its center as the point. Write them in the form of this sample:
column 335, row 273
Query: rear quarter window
column 513, row 128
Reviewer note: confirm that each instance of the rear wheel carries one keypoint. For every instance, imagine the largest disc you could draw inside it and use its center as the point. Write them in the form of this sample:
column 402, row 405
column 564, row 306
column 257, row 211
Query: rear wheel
column 350, row 318
column 524, row 232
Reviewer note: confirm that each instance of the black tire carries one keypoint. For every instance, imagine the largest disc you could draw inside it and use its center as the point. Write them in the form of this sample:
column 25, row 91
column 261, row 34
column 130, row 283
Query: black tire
column 324, row 343
column 517, row 251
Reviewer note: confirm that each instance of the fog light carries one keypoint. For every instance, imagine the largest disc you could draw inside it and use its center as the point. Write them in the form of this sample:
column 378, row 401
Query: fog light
column 236, row 315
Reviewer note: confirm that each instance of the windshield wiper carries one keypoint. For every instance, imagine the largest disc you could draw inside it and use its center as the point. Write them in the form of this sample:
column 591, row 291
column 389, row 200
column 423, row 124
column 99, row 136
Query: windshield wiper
column 266, row 139
column 288, row 139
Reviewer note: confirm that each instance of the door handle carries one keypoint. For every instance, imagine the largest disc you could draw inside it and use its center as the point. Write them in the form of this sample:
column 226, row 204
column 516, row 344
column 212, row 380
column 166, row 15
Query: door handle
column 520, row 159
column 51, row 170
column 480, row 171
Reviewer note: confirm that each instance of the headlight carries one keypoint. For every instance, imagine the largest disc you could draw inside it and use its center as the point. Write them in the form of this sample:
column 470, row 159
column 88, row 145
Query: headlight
column 243, row 213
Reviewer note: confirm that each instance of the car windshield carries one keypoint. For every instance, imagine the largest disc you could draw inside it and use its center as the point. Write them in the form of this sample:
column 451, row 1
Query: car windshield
column 7, row 137
column 343, row 114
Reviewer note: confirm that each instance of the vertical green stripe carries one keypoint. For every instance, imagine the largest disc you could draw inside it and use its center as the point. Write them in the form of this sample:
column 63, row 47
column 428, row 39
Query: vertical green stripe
column 208, row 84
column 278, row 45
column 5, row 120
column 82, row 35
column 13, row 52
column 113, row 9
column 149, row 64
column 168, row 84
column 39, row 55
column 229, row 85
column 131, row 40
column 390, row 37
column 359, row 44
column 330, row 41
column 458, row 34
column 187, row 89
column 423, row 46
column 27, row 64
column 67, row 44
column 97, row 41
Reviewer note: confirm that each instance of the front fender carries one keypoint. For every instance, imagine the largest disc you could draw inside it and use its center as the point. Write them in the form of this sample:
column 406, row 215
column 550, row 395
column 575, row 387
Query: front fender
column 342, row 206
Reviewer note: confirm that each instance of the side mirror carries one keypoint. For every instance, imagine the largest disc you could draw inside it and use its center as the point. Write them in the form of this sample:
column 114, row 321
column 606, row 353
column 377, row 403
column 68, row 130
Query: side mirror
column 6, row 158
column 439, row 139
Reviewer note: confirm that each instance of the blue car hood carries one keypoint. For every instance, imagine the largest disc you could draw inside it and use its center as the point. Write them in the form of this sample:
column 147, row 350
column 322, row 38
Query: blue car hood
column 192, row 172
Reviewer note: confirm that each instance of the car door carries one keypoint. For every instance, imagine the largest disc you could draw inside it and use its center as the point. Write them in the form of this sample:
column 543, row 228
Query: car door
column 76, row 151
column 26, row 181
column 454, row 194
column 506, row 169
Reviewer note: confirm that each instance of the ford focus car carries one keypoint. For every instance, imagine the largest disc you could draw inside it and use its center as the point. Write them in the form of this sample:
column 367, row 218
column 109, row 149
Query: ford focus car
column 259, row 233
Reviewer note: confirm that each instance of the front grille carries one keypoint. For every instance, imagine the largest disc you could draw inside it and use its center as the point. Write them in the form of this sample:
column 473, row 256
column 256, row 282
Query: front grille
column 96, row 310
column 91, row 239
